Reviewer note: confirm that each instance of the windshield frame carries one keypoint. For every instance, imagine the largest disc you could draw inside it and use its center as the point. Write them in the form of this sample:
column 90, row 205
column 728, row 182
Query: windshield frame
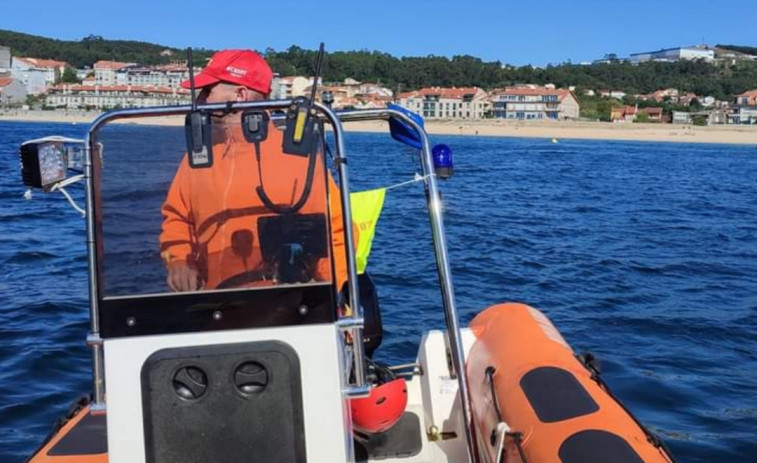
column 127, row 315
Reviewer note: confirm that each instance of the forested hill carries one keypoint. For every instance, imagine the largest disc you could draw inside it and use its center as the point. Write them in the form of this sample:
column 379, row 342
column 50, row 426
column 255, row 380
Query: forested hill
column 408, row 73
column 90, row 49
column 740, row 49
column 720, row 81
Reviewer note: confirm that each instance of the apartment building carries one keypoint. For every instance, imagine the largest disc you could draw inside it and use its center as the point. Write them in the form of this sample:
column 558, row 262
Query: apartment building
column 37, row 74
column 106, row 72
column 534, row 103
column 170, row 75
column 447, row 103
column 112, row 96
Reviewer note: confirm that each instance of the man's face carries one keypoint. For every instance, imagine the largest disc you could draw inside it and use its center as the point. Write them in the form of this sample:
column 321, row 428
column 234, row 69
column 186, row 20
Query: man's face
column 223, row 92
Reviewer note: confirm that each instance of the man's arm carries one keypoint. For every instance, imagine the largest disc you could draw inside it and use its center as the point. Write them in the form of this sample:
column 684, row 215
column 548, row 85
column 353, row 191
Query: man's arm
column 177, row 240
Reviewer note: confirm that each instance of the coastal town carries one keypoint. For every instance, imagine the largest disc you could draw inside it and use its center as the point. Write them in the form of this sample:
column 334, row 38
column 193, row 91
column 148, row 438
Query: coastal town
column 29, row 83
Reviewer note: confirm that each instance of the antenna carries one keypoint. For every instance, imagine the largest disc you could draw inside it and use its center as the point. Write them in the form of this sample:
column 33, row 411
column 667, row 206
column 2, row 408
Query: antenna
column 318, row 64
column 190, row 65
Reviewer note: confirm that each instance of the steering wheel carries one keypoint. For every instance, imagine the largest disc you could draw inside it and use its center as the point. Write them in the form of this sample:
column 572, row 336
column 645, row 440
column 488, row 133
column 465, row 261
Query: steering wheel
column 241, row 279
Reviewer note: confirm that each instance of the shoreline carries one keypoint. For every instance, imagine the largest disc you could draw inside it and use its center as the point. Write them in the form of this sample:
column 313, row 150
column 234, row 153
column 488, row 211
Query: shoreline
column 580, row 130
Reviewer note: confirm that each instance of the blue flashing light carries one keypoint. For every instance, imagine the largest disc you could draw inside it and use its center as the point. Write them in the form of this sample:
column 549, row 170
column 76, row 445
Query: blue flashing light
column 401, row 131
column 442, row 155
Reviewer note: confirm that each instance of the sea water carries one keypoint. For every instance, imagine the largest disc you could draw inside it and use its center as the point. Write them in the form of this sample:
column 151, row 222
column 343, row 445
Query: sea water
column 644, row 254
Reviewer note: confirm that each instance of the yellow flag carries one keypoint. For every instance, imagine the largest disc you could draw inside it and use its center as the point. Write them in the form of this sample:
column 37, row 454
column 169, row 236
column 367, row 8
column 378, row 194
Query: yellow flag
column 366, row 209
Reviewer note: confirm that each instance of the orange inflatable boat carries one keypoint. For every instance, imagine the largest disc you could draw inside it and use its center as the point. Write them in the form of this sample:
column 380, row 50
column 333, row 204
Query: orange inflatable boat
column 534, row 400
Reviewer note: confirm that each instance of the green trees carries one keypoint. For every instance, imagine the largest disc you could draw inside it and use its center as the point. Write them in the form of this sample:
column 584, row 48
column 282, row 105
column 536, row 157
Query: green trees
column 719, row 80
column 69, row 77
column 597, row 108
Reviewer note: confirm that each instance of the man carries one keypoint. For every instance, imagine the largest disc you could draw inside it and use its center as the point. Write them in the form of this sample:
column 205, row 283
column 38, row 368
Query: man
column 210, row 234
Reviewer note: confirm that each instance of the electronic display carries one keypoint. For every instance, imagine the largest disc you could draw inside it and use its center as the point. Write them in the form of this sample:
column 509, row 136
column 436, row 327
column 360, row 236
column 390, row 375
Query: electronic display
column 43, row 164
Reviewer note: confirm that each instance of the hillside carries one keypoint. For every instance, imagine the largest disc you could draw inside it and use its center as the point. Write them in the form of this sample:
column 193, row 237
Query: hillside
column 409, row 73
column 90, row 49
column 740, row 49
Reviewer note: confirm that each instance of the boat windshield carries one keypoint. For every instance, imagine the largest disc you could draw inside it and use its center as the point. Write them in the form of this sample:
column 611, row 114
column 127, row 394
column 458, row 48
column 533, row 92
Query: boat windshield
column 252, row 216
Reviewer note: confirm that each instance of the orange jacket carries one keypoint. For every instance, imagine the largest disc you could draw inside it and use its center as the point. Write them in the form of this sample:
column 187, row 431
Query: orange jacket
column 206, row 207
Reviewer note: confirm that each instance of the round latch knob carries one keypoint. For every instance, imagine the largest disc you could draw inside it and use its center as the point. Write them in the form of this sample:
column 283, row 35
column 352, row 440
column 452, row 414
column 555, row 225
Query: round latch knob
column 251, row 378
column 190, row 383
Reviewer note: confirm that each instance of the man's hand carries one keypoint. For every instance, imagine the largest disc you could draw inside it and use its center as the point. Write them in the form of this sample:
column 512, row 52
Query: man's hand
column 182, row 277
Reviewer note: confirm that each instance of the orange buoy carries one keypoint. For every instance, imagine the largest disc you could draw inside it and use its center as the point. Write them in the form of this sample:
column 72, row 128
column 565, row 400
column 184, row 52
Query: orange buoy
column 533, row 400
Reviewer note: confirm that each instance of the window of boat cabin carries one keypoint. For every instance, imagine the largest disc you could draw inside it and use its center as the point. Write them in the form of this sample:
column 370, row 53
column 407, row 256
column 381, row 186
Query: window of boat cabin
column 257, row 218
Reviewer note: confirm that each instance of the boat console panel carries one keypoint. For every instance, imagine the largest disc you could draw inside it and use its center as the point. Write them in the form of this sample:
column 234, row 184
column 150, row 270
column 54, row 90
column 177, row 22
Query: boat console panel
column 217, row 310
column 233, row 403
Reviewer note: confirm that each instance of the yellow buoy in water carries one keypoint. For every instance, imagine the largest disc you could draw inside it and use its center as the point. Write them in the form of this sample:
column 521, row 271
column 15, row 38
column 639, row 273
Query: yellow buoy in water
column 554, row 140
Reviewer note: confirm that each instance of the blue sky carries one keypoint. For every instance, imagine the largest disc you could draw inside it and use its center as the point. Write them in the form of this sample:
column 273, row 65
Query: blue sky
column 523, row 32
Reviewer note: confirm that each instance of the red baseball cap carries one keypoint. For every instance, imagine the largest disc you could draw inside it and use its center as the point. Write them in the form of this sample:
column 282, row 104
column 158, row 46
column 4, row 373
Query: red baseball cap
column 241, row 67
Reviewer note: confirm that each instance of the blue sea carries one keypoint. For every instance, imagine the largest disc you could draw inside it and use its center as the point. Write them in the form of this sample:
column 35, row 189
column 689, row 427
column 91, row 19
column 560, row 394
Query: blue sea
column 644, row 254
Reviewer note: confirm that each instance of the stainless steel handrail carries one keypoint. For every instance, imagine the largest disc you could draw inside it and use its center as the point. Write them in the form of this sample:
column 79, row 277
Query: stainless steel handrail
column 434, row 203
column 93, row 340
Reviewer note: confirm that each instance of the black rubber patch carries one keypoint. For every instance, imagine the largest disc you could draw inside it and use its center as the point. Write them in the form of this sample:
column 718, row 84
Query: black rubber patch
column 595, row 446
column 234, row 403
column 556, row 395
column 88, row 437
column 403, row 440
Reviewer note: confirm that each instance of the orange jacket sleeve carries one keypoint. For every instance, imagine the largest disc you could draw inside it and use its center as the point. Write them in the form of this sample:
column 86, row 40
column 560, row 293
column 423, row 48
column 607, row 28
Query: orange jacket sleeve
column 337, row 234
column 177, row 241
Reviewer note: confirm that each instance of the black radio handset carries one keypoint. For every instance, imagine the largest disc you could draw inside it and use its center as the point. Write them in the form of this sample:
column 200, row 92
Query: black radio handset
column 301, row 138
column 255, row 125
column 197, row 128
column 300, row 135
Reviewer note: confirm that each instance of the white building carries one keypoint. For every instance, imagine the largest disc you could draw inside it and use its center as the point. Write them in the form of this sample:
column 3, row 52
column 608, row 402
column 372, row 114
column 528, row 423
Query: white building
column 617, row 94
column 12, row 91
column 82, row 74
column 112, row 96
column 674, row 54
column 160, row 76
column 743, row 115
column 681, row 117
column 745, row 109
column 37, row 74
column 5, row 59
column 534, row 103
column 34, row 80
column 447, row 103
column 106, row 72
column 292, row 86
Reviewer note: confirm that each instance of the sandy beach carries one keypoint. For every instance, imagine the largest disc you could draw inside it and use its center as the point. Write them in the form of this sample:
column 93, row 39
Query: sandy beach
column 729, row 134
